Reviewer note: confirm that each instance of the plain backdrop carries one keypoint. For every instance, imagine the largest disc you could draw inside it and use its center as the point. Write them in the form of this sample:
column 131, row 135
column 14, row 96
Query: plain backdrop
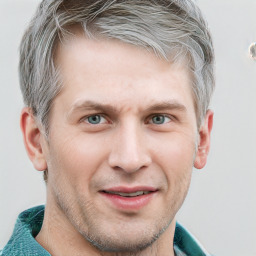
column 221, row 206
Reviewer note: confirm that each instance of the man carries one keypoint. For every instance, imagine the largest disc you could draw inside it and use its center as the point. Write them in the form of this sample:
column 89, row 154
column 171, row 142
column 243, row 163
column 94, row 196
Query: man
column 117, row 96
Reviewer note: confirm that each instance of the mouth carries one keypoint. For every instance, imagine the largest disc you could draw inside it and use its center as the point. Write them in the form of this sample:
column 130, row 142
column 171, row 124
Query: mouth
column 133, row 194
column 129, row 199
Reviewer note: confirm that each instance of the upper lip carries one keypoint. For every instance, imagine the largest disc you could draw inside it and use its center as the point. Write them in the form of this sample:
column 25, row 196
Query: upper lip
column 124, row 189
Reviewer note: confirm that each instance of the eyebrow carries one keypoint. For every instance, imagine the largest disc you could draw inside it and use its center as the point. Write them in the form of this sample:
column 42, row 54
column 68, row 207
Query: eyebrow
column 82, row 105
column 170, row 105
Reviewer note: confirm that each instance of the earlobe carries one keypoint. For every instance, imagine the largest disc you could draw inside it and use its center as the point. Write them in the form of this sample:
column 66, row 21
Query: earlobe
column 204, row 141
column 32, row 138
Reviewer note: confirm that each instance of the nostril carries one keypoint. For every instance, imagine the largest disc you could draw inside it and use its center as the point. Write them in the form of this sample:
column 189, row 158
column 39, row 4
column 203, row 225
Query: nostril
column 127, row 169
column 128, row 155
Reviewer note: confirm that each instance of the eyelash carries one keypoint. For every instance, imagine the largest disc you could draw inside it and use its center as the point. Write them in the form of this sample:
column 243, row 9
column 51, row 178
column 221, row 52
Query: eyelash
column 149, row 119
column 94, row 115
column 162, row 116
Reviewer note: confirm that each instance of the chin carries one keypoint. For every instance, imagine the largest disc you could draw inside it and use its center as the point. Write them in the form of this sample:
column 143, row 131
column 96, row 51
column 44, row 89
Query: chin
column 127, row 241
column 109, row 244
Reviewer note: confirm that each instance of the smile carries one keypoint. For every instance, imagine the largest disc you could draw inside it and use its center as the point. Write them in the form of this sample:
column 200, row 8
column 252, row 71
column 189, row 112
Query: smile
column 128, row 199
column 134, row 194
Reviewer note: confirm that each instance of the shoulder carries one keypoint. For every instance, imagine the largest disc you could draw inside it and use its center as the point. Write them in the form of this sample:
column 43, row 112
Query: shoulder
column 22, row 241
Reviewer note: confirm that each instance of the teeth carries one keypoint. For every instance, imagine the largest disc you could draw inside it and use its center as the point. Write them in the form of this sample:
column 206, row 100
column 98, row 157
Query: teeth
column 138, row 193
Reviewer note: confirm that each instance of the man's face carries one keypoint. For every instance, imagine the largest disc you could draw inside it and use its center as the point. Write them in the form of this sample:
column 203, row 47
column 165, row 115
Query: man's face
column 122, row 142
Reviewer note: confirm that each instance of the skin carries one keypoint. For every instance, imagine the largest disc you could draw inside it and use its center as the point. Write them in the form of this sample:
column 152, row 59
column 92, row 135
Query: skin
column 146, row 135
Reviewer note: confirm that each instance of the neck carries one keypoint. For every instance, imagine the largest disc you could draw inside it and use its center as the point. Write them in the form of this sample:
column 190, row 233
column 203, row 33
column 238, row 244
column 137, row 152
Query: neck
column 59, row 237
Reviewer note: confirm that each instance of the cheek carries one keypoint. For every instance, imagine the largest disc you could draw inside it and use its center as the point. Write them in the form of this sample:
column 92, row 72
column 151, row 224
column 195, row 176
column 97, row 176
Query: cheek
column 175, row 157
column 75, row 158
column 175, row 152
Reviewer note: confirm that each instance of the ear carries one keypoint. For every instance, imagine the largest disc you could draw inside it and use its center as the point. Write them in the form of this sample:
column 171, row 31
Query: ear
column 32, row 138
column 204, row 141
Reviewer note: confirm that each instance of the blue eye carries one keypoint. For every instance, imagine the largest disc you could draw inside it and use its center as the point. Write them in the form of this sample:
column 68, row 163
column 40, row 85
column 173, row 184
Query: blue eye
column 160, row 119
column 95, row 119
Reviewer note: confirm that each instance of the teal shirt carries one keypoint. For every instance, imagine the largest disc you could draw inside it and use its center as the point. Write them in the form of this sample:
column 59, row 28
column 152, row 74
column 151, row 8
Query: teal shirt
column 29, row 223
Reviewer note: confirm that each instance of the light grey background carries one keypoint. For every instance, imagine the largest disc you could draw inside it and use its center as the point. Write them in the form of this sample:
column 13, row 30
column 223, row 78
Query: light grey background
column 221, row 206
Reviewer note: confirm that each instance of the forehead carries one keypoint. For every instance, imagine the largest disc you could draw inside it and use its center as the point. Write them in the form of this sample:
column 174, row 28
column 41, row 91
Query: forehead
column 84, row 50
column 107, row 70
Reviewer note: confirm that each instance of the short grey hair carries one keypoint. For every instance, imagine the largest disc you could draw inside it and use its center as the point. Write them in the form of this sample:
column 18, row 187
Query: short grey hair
column 173, row 29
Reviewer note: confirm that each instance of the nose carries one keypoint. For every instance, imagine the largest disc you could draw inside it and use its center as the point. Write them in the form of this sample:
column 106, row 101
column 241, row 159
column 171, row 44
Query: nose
column 129, row 150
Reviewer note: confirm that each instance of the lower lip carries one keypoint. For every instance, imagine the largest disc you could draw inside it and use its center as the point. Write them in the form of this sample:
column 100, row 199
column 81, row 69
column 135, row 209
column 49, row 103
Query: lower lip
column 129, row 203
